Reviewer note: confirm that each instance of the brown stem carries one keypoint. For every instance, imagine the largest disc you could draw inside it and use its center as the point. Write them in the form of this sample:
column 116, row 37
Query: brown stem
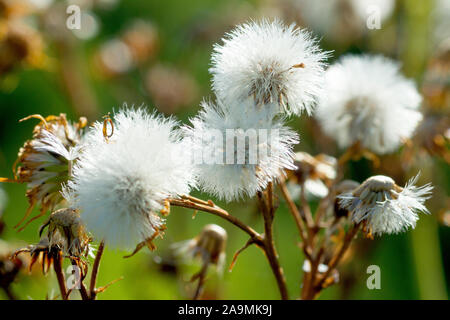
column 305, row 209
column 310, row 277
column 213, row 209
column 9, row 293
column 262, row 242
column 297, row 218
column 95, row 268
column 201, row 275
column 83, row 291
column 57, row 266
column 318, row 286
column 269, row 245
column 74, row 81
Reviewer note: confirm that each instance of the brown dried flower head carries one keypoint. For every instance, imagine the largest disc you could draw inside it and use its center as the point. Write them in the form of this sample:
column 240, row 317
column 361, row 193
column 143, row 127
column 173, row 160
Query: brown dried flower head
column 43, row 252
column 66, row 225
column 45, row 161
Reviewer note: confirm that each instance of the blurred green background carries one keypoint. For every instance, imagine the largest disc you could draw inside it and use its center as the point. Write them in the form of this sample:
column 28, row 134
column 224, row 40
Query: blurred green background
column 157, row 53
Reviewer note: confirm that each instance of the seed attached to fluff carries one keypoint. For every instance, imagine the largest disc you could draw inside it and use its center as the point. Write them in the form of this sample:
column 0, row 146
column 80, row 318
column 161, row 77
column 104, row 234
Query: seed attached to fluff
column 385, row 207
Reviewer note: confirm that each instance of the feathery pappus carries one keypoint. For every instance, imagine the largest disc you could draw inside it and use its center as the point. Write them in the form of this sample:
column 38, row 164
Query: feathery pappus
column 368, row 100
column 239, row 150
column 384, row 206
column 121, row 181
column 271, row 63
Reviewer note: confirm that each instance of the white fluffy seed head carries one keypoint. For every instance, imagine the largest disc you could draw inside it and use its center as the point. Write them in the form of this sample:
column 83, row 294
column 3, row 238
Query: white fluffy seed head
column 220, row 134
column 367, row 100
column 270, row 62
column 120, row 184
column 384, row 206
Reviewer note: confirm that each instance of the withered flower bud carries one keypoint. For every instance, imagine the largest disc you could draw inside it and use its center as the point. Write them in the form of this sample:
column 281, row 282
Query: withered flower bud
column 43, row 252
column 209, row 246
column 9, row 268
column 66, row 225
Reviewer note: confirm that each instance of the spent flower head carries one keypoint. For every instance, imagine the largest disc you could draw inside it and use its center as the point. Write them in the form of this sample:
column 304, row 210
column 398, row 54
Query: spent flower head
column 66, row 229
column 209, row 245
column 43, row 252
column 45, row 161
column 385, row 207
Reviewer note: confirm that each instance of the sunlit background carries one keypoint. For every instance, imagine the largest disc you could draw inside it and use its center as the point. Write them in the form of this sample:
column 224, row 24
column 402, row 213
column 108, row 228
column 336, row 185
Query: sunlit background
column 157, row 54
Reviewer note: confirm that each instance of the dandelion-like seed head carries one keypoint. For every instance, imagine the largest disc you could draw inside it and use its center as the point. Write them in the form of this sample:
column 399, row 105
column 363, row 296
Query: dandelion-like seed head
column 121, row 182
column 271, row 63
column 242, row 151
column 367, row 100
column 384, row 206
